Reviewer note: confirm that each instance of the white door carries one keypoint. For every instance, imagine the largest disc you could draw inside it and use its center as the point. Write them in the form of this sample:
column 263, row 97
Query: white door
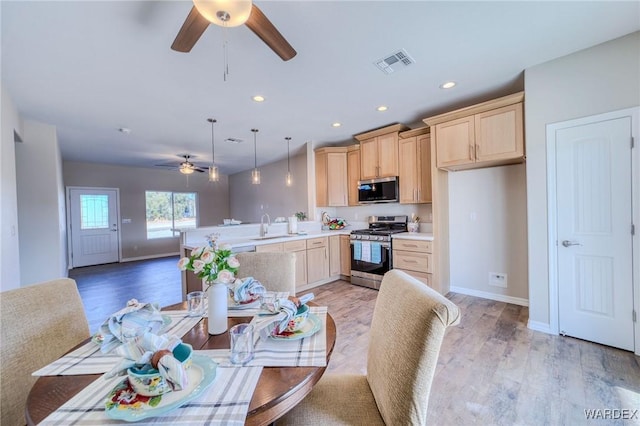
column 594, row 218
column 93, row 214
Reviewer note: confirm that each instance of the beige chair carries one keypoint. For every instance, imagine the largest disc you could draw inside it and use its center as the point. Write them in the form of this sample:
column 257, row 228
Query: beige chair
column 275, row 270
column 39, row 324
column 409, row 323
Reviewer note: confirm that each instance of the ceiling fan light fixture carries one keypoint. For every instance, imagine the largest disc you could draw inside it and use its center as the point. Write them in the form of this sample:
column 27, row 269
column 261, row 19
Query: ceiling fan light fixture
column 225, row 13
column 186, row 168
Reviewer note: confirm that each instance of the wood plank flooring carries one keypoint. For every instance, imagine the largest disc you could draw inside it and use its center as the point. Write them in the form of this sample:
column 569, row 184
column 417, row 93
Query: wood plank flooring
column 492, row 369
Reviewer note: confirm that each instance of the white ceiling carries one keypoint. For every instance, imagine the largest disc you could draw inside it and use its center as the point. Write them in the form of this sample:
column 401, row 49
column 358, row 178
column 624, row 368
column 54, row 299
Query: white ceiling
column 91, row 67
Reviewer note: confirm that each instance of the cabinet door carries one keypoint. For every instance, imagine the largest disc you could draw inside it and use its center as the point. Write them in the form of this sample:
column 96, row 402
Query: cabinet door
column 455, row 142
column 423, row 143
column 499, row 134
column 317, row 264
column 321, row 180
column 388, row 155
column 334, row 255
column 353, row 176
column 336, row 182
column 408, row 182
column 345, row 255
column 301, row 268
column 369, row 159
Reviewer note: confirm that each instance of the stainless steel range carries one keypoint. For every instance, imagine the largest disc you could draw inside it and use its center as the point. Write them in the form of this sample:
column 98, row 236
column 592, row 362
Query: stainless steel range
column 371, row 255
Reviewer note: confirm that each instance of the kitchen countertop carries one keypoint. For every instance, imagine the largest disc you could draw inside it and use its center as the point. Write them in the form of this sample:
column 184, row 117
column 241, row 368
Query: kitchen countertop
column 413, row 236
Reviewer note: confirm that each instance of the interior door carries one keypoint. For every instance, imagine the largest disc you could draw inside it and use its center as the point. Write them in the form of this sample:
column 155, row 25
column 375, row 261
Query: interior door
column 594, row 215
column 94, row 226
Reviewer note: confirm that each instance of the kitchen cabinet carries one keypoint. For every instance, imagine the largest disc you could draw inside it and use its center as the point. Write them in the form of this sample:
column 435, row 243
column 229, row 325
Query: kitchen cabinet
column 317, row 259
column 379, row 152
column 331, row 176
column 299, row 248
column 414, row 257
column 484, row 135
column 345, row 256
column 353, row 174
column 334, row 255
column 275, row 247
column 414, row 148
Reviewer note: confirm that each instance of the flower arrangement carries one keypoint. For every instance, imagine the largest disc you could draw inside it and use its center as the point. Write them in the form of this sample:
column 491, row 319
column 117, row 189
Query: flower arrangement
column 211, row 262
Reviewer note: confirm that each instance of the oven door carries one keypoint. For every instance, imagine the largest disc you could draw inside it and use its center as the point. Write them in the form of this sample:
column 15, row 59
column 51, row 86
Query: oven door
column 369, row 274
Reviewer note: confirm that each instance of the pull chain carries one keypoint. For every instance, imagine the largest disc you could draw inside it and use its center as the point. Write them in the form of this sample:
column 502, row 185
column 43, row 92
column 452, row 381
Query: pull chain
column 225, row 49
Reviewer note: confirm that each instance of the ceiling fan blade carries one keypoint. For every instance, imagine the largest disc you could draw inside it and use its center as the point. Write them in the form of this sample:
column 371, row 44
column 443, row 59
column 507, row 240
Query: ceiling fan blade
column 191, row 30
column 263, row 28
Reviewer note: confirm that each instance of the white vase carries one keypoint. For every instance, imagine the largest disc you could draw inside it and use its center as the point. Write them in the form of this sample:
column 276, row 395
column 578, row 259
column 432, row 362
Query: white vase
column 217, row 309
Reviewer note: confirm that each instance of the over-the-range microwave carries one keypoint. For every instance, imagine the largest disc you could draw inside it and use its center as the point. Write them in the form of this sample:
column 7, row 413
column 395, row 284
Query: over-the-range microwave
column 381, row 190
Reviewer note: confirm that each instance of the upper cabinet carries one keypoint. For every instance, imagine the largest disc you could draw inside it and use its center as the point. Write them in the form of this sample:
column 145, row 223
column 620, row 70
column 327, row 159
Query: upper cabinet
column 331, row 176
column 414, row 151
column 353, row 174
column 379, row 152
column 483, row 135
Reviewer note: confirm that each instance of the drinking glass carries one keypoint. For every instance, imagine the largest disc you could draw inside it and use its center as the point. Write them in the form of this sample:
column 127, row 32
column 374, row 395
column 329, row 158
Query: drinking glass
column 241, row 343
column 195, row 303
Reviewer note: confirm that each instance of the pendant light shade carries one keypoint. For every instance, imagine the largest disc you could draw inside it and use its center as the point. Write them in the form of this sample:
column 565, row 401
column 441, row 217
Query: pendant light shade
column 226, row 13
column 255, row 174
column 289, row 178
column 214, row 176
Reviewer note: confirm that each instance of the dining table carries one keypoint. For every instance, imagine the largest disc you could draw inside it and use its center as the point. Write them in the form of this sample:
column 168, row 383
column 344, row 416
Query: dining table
column 278, row 389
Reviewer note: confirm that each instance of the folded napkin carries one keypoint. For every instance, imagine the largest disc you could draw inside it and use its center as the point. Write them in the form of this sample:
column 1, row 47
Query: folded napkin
column 247, row 289
column 139, row 351
column 274, row 324
column 134, row 320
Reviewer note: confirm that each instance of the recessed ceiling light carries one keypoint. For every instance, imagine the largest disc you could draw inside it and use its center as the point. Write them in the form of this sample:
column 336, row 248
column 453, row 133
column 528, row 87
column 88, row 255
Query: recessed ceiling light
column 258, row 98
column 336, row 124
column 382, row 108
column 448, row 85
column 124, row 130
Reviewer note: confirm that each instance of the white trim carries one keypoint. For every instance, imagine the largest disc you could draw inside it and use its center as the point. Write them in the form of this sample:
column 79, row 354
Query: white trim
column 552, row 129
column 492, row 296
column 151, row 256
column 68, row 202
column 540, row 326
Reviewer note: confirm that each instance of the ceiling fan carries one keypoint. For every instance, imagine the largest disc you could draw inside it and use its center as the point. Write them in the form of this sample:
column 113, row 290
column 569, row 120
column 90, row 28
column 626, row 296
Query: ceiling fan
column 185, row 167
column 230, row 13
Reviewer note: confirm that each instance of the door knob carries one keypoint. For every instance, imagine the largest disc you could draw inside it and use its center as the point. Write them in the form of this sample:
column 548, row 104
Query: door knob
column 568, row 243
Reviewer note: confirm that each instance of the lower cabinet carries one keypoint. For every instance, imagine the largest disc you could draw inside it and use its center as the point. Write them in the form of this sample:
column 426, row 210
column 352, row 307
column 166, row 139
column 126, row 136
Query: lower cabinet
column 317, row 259
column 345, row 256
column 299, row 248
column 415, row 258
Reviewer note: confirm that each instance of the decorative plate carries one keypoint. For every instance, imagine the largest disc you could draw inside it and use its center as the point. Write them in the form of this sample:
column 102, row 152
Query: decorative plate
column 98, row 337
column 311, row 326
column 255, row 303
column 123, row 403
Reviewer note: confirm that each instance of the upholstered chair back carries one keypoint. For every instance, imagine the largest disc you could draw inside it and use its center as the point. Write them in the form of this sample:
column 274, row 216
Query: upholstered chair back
column 409, row 323
column 39, row 324
column 275, row 270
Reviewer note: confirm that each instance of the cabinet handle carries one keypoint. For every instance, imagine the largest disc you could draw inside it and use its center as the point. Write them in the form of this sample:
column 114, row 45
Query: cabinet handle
column 411, row 245
column 470, row 152
column 410, row 261
column 477, row 150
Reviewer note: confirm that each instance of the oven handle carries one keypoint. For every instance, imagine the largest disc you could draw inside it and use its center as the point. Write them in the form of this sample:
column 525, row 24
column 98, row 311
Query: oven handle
column 382, row 244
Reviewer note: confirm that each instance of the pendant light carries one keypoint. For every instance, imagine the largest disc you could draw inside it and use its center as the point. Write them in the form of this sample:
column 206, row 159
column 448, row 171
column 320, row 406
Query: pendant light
column 214, row 176
column 255, row 174
column 289, row 178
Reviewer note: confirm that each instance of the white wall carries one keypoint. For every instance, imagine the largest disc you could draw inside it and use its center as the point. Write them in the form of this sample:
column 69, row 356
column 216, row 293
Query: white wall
column 596, row 80
column 488, row 231
column 213, row 200
column 9, row 241
column 249, row 202
column 41, row 209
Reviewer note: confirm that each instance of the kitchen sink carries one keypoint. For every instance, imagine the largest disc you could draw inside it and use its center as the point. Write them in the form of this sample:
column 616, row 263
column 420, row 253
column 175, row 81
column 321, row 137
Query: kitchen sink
column 271, row 237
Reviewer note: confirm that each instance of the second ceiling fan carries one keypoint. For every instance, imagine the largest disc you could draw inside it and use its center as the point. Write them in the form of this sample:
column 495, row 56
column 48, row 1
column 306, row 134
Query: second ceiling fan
column 230, row 13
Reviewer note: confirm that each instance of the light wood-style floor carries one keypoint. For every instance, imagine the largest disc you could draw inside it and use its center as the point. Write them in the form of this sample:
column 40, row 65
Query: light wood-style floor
column 492, row 369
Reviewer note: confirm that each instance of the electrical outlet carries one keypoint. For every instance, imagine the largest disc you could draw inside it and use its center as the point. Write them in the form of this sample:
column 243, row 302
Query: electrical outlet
column 498, row 279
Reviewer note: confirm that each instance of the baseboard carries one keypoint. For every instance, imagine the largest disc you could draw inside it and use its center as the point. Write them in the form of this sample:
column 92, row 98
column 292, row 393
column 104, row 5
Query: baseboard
column 152, row 256
column 491, row 296
column 540, row 326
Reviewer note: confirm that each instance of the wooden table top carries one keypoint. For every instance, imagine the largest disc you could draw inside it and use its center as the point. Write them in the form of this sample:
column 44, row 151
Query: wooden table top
column 279, row 388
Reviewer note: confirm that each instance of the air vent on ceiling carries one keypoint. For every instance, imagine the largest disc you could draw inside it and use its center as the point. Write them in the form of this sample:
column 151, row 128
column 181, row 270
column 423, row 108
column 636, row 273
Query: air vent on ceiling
column 233, row 140
column 395, row 61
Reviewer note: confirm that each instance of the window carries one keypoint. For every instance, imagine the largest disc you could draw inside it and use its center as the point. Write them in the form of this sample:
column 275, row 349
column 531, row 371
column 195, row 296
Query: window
column 168, row 212
column 94, row 211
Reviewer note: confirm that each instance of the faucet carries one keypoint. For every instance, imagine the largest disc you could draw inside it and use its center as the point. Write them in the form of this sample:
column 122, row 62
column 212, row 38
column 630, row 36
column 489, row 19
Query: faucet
column 264, row 227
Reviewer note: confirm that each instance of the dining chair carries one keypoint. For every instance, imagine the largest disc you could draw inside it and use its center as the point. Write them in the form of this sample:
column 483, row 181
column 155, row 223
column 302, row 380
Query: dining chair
column 275, row 270
column 408, row 326
column 39, row 323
